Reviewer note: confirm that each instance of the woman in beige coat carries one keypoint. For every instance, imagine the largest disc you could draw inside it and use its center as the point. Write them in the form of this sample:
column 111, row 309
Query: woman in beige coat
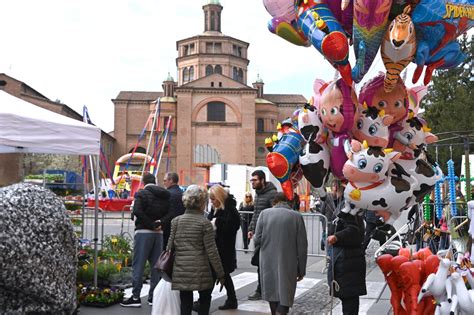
column 193, row 239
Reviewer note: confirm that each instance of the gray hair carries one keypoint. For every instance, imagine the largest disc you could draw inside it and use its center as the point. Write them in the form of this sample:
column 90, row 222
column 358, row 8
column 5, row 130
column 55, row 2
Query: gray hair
column 194, row 197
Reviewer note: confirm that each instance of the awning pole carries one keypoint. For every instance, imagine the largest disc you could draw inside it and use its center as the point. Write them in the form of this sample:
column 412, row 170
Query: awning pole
column 96, row 220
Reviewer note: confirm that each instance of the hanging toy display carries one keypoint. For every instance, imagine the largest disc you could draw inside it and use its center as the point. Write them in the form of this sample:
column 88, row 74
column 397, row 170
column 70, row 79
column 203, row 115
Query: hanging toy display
column 426, row 208
column 438, row 199
column 451, row 178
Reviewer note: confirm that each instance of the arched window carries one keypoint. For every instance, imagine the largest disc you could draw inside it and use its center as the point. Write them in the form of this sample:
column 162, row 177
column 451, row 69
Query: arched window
column 235, row 74
column 215, row 111
column 260, row 125
column 209, row 70
column 185, row 75
column 191, row 73
column 241, row 76
column 218, row 69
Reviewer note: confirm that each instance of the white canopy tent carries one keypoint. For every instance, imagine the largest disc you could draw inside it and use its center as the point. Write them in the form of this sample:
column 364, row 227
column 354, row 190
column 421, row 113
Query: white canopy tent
column 27, row 128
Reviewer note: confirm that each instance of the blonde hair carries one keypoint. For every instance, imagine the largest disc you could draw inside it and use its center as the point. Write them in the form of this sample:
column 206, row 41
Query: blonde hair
column 219, row 193
column 245, row 203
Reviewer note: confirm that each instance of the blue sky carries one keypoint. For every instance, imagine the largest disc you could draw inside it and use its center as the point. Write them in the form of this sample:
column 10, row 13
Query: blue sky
column 86, row 52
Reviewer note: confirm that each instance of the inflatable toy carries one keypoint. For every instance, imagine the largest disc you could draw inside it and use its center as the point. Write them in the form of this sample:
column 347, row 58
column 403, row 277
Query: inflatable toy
column 314, row 158
column 370, row 24
column 372, row 126
column 284, row 156
column 370, row 187
column 438, row 23
column 338, row 112
column 398, row 48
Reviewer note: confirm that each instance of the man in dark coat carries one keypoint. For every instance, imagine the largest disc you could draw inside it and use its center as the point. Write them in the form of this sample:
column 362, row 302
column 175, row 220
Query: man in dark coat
column 151, row 209
column 347, row 262
column 176, row 208
column 265, row 192
column 281, row 237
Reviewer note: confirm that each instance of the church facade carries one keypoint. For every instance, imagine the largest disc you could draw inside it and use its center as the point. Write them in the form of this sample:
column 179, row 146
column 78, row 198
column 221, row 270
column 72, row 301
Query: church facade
column 216, row 117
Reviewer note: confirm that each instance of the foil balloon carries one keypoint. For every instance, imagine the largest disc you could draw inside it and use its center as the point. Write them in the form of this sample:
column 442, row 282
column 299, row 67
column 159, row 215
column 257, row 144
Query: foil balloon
column 283, row 22
column 314, row 159
column 284, row 157
column 398, row 48
column 343, row 12
column 325, row 33
column 338, row 113
column 370, row 24
column 438, row 23
column 394, row 103
column 370, row 186
column 415, row 165
column 372, row 126
column 282, row 9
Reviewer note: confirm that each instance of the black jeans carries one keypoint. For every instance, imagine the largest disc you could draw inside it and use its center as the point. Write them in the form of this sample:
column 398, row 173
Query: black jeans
column 245, row 229
column 229, row 287
column 187, row 302
column 350, row 306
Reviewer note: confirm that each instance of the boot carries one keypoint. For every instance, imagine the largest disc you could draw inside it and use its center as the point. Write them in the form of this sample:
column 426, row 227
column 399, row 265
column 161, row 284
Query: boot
column 230, row 304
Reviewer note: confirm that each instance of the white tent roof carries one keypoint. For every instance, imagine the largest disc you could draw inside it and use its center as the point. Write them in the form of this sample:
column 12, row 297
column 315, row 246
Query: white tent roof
column 28, row 128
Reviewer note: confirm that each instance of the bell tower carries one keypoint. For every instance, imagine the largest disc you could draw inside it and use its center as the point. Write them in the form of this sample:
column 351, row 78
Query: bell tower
column 212, row 16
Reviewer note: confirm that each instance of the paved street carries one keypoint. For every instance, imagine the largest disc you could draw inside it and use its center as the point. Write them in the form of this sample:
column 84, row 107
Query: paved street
column 311, row 296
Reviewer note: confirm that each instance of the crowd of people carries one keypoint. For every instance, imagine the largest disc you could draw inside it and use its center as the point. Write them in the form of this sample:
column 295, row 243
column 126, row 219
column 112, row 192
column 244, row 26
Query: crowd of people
column 200, row 227
column 204, row 242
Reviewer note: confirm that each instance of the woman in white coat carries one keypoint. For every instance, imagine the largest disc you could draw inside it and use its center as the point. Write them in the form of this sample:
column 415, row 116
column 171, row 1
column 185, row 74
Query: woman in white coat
column 281, row 237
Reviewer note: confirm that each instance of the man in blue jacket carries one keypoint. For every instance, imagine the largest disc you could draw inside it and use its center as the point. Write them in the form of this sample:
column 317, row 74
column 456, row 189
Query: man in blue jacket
column 151, row 210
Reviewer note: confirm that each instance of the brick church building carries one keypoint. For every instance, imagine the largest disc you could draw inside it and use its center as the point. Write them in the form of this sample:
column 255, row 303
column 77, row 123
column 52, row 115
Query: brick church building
column 216, row 116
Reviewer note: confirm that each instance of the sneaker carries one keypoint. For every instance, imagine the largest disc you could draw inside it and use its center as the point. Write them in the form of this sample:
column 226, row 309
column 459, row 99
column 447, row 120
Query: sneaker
column 132, row 302
column 255, row 296
column 150, row 301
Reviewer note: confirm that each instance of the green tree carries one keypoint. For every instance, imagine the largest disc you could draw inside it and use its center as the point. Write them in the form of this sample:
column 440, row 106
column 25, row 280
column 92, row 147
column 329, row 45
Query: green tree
column 449, row 108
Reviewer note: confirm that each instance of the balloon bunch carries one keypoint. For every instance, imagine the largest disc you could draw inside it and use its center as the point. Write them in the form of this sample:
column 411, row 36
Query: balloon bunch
column 422, row 31
column 340, row 133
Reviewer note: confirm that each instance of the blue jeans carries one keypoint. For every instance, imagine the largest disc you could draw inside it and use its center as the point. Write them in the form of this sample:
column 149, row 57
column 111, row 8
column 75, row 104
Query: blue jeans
column 146, row 247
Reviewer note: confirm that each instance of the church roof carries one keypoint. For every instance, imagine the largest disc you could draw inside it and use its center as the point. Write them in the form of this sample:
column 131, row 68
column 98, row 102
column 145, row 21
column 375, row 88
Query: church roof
column 285, row 98
column 138, row 96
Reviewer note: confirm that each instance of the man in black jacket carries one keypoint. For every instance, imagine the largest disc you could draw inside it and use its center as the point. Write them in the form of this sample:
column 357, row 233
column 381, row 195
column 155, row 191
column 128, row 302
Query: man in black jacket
column 265, row 192
column 176, row 208
column 151, row 209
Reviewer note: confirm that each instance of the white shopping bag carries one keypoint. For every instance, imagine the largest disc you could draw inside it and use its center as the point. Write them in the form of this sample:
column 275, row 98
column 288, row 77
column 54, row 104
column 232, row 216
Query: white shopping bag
column 165, row 300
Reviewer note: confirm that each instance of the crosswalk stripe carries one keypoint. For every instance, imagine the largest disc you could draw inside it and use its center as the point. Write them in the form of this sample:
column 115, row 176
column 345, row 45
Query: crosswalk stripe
column 366, row 301
column 240, row 281
column 245, row 278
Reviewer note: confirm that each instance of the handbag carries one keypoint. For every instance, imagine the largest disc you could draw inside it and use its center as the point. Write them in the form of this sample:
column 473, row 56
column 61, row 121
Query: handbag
column 166, row 261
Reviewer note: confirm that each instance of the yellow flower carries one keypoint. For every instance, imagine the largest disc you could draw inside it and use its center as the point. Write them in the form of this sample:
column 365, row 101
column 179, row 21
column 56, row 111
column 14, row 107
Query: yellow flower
column 114, row 240
column 119, row 267
column 106, row 290
column 85, row 267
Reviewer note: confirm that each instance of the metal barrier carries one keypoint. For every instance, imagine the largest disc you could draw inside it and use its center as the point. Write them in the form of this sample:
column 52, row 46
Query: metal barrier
column 315, row 224
column 119, row 223
column 110, row 223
